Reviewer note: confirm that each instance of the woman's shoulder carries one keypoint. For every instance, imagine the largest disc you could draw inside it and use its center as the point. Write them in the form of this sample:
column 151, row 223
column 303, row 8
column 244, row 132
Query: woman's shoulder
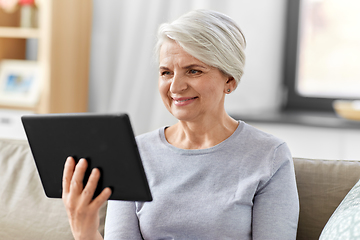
column 258, row 136
column 270, row 151
column 154, row 134
column 153, row 137
column 259, row 142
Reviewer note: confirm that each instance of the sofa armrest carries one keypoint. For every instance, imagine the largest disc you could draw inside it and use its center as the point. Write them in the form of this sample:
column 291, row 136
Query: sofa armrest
column 322, row 185
column 25, row 211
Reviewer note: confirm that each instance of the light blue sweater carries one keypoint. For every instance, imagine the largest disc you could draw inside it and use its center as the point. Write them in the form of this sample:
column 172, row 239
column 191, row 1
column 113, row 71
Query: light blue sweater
column 243, row 188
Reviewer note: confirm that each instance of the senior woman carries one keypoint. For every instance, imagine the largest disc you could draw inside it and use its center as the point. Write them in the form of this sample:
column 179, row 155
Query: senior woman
column 211, row 177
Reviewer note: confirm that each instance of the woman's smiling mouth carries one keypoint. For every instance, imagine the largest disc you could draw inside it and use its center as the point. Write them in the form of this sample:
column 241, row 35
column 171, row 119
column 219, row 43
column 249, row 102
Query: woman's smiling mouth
column 183, row 101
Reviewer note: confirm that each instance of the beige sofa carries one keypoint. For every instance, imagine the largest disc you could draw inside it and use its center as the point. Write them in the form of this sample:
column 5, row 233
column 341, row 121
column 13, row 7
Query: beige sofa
column 26, row 213
column 322, row 185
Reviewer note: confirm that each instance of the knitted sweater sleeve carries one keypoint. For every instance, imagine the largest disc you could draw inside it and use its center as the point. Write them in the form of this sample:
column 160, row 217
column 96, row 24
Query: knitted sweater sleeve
column 276, row 203
column 124, row 225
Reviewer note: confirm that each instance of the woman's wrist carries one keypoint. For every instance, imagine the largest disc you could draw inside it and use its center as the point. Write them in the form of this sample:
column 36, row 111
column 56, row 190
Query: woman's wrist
column 96, row 237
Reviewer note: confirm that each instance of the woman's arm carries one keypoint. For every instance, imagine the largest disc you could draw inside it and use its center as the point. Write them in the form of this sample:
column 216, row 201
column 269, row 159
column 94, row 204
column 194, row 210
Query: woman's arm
column 82, row 210
column 276, row 204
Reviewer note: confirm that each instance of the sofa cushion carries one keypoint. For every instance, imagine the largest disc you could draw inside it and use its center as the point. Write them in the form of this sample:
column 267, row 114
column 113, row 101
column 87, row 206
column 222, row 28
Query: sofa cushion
column 25, row 211
column 345, row 221
column 322, row 185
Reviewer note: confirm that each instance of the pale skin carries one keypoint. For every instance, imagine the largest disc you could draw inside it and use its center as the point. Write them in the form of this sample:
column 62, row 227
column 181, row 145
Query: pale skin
column 194, row 93
column 83, row 212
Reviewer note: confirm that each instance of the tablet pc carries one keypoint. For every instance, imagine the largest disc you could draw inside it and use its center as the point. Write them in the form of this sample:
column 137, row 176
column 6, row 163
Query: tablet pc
column 106, row 141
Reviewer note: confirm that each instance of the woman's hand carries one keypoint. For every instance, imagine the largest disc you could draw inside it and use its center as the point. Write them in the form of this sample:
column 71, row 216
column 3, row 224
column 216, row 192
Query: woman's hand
column 82, row 210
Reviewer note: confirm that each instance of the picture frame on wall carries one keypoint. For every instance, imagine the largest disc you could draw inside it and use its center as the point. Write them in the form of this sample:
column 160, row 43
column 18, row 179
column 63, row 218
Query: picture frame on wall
column 19, row 83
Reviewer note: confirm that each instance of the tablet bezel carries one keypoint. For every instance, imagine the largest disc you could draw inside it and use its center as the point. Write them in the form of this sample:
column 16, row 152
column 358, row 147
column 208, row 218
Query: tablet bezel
column 99, row 138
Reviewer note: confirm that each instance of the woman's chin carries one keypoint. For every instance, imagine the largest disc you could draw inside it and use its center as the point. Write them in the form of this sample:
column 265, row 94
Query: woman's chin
column 184, row 115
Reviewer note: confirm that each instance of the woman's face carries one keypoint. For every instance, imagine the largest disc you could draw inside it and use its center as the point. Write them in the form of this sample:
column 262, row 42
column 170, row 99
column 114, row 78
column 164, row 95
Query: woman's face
column 190, row 89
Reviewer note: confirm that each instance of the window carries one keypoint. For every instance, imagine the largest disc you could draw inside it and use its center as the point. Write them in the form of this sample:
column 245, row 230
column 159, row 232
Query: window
column 322, row 57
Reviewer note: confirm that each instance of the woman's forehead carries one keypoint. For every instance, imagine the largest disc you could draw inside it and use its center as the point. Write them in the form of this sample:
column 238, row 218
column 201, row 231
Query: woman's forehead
column 171, row 53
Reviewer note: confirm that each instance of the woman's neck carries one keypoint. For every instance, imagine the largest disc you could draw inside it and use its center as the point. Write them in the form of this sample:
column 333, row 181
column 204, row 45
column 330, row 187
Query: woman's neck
column 201, row 134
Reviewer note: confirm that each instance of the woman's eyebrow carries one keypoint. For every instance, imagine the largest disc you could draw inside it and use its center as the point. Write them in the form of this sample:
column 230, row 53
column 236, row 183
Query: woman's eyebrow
column 194, row 66
column 163, row 68
column 185, row 67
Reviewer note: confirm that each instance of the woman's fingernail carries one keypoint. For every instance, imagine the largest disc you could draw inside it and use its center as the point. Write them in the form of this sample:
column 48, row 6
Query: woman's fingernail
column 82, row 160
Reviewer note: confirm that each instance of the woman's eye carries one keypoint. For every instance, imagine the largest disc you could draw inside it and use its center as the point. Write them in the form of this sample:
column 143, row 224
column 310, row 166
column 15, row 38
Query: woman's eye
column 193, row 71
column 164, row 73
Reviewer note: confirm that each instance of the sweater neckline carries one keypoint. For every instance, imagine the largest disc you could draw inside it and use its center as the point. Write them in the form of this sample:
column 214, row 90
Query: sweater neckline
column 200, row 151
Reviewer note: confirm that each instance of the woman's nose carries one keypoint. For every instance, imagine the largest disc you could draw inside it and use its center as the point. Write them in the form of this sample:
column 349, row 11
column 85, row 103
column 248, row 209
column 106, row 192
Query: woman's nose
column 178, row 84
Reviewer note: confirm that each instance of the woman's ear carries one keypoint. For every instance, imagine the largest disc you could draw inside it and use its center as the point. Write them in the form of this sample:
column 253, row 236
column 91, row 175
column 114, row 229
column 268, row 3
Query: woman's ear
column 230, row 85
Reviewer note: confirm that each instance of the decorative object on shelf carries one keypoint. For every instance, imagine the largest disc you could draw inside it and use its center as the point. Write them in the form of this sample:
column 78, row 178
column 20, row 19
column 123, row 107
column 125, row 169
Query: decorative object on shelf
column 28, row 13
column 8, row 6
column 347, row 109
column 19, row 83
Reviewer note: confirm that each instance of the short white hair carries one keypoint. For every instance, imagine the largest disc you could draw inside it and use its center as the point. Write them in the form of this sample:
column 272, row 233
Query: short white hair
column 211, row 37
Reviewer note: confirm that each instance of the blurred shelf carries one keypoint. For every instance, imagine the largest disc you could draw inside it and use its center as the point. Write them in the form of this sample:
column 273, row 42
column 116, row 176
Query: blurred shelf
column 17, row 32
column 62, row 52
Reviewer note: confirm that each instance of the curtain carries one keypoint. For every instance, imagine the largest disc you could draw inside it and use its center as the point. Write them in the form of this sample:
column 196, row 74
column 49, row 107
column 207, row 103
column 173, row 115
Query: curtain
column 123, row 68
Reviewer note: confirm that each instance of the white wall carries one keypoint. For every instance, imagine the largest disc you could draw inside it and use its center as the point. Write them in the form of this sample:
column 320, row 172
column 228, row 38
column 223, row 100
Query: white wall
column 264, row 25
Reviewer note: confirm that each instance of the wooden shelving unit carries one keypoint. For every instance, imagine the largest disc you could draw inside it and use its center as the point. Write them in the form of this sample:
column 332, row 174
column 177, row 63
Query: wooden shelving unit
column 63, row 55
column 15, row 32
